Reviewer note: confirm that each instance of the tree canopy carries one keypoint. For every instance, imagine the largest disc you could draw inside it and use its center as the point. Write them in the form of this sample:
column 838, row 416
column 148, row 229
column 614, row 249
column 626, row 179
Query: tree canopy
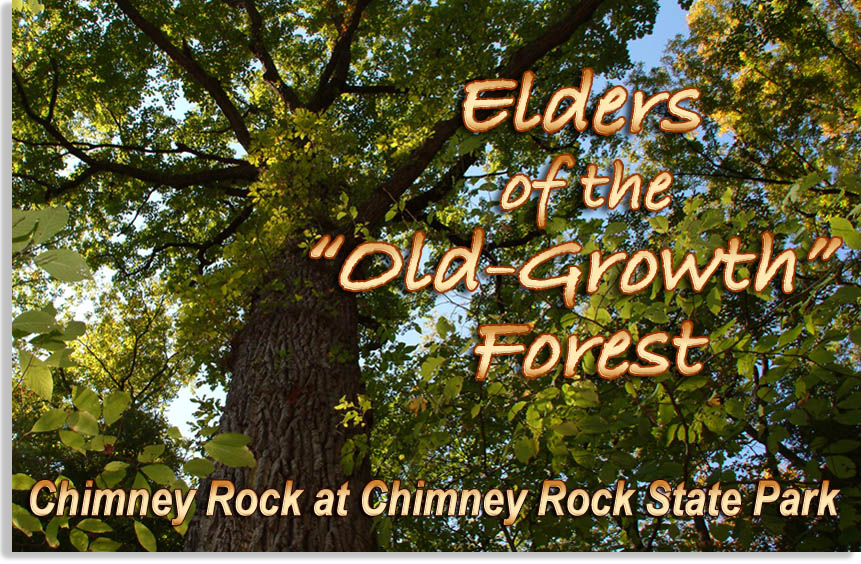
column 192, row 154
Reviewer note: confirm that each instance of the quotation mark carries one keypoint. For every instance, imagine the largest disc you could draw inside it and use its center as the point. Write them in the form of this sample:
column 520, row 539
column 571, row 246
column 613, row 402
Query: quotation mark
column 826, row 246
column 327, row 247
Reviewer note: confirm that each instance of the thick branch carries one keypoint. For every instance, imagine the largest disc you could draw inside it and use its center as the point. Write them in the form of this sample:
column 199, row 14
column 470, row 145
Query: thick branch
column 550, row 38
column 183, row 57
column 374, row 209
column 225, row 233
column 70, row 185
column 245, row 171
column 442, row 188
column 334, row 76
column 270, row 71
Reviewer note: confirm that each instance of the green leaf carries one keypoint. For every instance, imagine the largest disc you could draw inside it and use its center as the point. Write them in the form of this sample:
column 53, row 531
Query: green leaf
column 470, row 144
column 23, row 222
column 53, row 528
column 92, row 525
column 789, row 336
column 200, row 467
column 566, row 428
column 384, row 532
column 721, row 531
column 593, row 425
column 174, row 433
column 150, row 453
column 61, row 359
column 159, row 473
column 20, row 244
column 34, row 322
column 515, row 409
column 73, row 330
column 444, row 327
column 713, row 300
column 430, row 366
column 72, row 439
column 97, row 443
column 111, row 479
column 38, row 378
column 692, row 383
column 805, row 183
column 585, row 398
column 24, row 521
column 711, row 219
column 452, row 387
column 51, row 220
column 145, row 537
column 103, row 544
column 608, row 473
column 140, row 483
column 840, row 227
column 83, row 422
column 51, row 421
column 660, row 223
column 115, row 405
column 87, row 400
column 116, row 465
column 657, row 313
column 525, row 449
column 64, row 265
column 22, row 482
column 615, row 227
column 79, row 540
column 230, row 450
column 841, row 466
column 838, row 447
column 232, row 439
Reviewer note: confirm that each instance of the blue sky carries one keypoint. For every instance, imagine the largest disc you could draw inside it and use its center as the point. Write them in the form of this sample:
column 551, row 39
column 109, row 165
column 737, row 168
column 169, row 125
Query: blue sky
column 671, row 22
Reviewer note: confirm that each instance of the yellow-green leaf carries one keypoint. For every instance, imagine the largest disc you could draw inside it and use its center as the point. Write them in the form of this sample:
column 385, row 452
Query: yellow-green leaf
column 145, row 537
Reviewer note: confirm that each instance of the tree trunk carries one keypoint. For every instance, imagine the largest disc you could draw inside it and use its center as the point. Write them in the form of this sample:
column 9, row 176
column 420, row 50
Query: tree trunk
column 295, row 358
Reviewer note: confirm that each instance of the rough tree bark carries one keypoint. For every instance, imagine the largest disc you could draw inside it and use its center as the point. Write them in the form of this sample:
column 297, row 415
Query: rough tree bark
column 285, row 383
column 288, row 373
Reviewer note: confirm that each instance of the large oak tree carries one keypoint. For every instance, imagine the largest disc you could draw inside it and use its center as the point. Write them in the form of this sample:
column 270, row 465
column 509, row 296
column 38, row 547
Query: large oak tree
column 208, row 146
column 209, row 143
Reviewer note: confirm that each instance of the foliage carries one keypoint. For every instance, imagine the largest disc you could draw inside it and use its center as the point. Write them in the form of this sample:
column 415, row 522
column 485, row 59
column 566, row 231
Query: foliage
column 83, row 434
column 195, row 148
column 778, row 397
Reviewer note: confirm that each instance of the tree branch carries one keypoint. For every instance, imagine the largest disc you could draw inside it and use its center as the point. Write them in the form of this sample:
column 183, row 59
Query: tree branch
column 55, row 87
column 444, row 187
column 375, row 207
column 334, row 76
column 270, row 71
column 180, row 148
column 184, row 58
column 202, row 248
column 244, row 171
